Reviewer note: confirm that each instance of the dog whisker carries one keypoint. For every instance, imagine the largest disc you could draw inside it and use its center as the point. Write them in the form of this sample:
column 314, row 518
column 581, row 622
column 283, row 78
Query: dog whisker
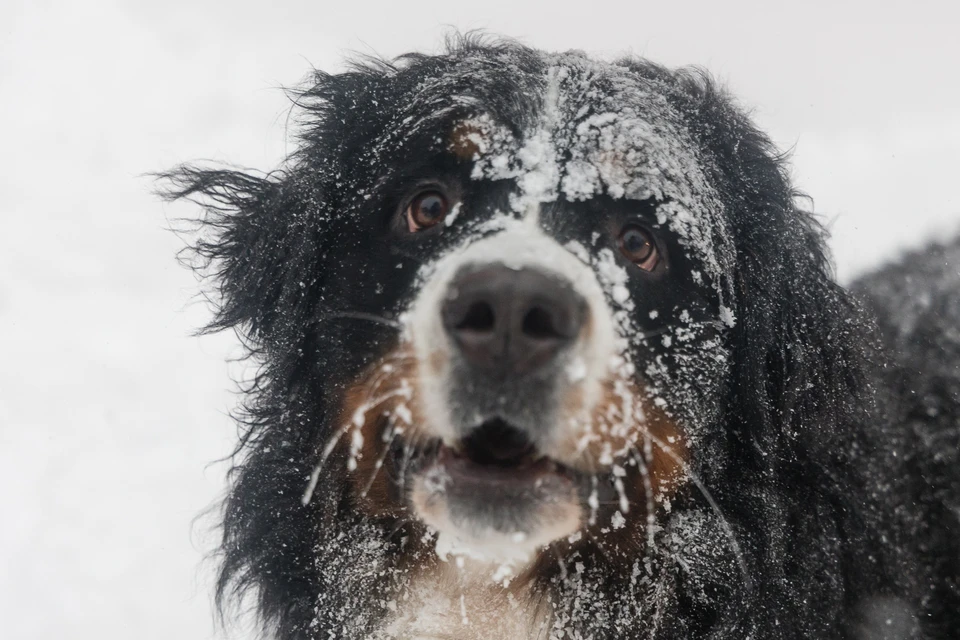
column 398, row 526
column 386, row 372
column 651, row 515
column 401, row 479
column 327, row 450
column 355, row 423
column 558, row 558
column 724, row 523
column 593, row 500
column 393, row 431
column 363, row 315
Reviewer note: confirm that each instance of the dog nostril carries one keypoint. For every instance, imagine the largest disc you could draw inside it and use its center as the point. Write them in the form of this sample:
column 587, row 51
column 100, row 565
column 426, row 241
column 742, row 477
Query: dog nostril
column 479, row 317
column 538, row 323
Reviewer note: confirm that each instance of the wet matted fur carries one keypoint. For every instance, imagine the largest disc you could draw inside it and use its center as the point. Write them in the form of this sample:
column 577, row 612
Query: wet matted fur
column 730, row 455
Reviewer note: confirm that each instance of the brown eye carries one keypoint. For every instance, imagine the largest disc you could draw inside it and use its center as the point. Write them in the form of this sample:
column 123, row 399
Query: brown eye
column 426, row 210
column 638, row 246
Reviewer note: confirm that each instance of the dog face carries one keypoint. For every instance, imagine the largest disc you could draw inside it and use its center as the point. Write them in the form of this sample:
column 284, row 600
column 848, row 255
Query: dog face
column 558, row 272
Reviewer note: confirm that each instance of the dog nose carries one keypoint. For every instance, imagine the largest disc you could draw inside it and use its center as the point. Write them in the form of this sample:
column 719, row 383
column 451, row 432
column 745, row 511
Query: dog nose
column 511, row 321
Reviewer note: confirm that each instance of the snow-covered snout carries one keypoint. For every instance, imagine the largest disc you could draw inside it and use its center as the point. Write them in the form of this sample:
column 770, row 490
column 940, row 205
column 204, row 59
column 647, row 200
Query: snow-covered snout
column 513, row 340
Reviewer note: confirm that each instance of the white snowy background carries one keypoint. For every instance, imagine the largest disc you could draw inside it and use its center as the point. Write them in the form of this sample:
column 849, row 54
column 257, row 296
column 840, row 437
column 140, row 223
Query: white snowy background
column 110, row 412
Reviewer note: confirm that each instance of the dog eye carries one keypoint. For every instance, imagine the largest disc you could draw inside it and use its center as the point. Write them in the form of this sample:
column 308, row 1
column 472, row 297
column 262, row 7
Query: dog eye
column 638, row 246
column 426, row 210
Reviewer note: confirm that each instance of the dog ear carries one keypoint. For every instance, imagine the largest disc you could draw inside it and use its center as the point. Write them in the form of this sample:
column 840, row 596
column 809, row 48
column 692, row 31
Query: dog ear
column 260, row 244
column 800, row 401
column 804, row 336
column 262, row 239
column 254, row 243
column 799, row 337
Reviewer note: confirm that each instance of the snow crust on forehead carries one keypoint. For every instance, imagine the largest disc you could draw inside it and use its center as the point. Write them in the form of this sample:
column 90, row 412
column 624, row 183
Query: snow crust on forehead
column 604, row 129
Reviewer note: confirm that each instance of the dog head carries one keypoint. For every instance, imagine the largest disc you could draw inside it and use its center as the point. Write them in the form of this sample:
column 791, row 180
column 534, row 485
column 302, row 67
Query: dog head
column 511, row 304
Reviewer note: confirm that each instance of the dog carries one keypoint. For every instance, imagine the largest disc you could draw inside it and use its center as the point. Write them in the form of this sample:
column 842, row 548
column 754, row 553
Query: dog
column 547, row 348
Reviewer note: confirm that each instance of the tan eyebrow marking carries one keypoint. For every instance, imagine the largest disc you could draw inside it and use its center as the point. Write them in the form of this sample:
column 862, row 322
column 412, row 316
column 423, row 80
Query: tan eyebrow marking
column 466, row 140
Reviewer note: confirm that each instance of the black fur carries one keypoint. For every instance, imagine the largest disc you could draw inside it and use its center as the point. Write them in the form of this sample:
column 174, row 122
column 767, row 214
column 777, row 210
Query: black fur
column 837, row 470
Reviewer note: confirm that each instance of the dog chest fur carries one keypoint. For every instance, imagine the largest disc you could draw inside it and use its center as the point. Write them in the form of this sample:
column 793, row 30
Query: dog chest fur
column 453, row 602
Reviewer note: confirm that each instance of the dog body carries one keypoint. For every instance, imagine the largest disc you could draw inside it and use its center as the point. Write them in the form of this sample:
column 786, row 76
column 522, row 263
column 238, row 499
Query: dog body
column 547, row 350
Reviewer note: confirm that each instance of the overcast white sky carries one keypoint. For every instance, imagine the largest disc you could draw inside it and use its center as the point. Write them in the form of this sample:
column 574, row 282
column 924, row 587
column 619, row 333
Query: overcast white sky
column 109, row 410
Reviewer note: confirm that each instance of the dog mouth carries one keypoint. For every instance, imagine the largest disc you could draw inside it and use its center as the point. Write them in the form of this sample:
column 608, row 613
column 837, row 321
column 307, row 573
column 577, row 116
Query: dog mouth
column 495, row 492
column 497, row 455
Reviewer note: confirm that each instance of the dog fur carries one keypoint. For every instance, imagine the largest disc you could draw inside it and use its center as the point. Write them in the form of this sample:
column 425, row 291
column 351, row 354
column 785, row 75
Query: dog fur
column 791, row 471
